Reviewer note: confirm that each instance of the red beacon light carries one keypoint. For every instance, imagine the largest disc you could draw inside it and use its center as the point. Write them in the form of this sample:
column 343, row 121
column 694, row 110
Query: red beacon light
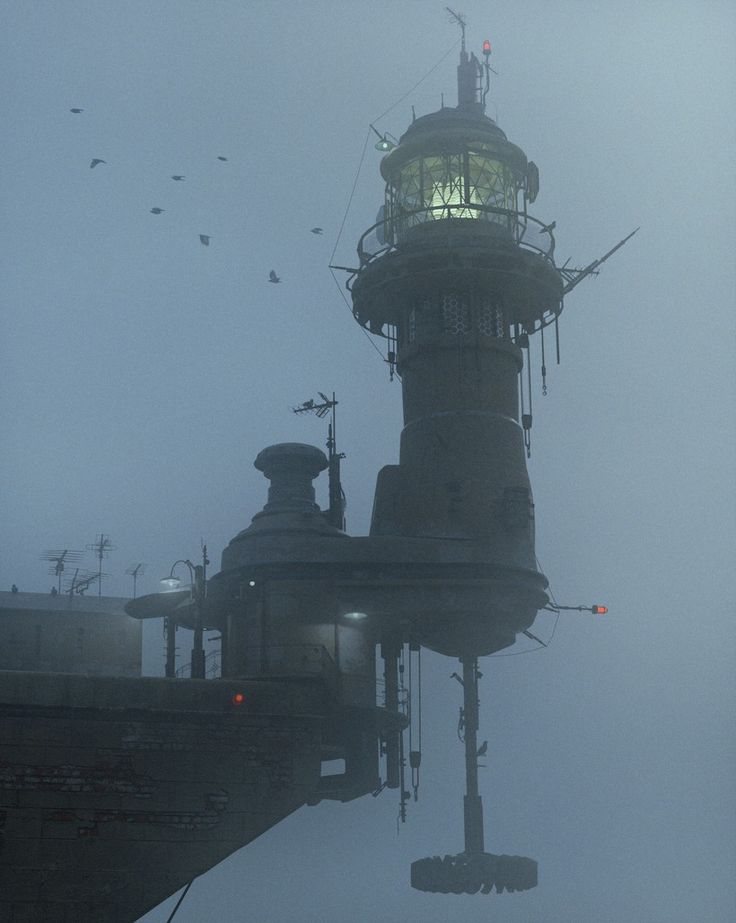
column 599, row 610
column 486, row 47
column 238, row 698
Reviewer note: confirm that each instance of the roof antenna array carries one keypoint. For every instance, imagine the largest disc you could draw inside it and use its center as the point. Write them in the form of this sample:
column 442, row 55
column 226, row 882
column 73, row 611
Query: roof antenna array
column 101, row 547
column 59, row 559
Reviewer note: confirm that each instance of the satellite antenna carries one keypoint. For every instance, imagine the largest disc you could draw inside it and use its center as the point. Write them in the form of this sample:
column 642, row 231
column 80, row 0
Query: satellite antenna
column 101, row 547
column 59, row 559
column 134, row 571
column 336, row 512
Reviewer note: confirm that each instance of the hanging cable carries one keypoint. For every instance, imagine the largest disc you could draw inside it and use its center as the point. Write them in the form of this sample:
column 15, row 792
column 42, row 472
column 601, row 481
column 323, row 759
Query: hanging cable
column 415, row 717
column 352, row 193
column 337, row 244
column 543, row 646
column 544, row 367
column 409, row 92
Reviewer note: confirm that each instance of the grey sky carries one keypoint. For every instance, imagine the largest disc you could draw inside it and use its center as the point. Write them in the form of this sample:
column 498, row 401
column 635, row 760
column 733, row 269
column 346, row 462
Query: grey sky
column 142, row 372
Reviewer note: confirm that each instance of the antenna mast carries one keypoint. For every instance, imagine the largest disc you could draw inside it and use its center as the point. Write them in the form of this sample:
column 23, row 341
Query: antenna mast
column 59, row 559
column 101, row 547
column 460, row 19
column 335, row 514
column 134, row 571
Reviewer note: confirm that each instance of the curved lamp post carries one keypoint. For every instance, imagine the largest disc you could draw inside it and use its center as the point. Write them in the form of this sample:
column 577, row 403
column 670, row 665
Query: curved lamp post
column 198, row 575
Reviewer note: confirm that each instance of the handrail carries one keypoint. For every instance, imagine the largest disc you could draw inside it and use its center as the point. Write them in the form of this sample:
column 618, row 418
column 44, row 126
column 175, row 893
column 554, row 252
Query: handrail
column 521, row 219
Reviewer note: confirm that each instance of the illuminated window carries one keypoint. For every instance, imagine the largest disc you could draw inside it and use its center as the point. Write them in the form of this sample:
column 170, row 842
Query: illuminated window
column 468, row 184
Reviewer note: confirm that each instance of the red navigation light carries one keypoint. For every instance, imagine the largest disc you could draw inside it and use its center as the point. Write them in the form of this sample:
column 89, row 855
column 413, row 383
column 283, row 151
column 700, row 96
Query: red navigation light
column 238, row 698
column 599, row 610
column 486, row 47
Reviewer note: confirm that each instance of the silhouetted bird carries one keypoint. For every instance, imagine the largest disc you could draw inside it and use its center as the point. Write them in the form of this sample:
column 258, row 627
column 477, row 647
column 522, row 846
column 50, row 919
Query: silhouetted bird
column 95, row 162
column 177, row 177
column 220, row 157
column 76, row 110
column 316, row 230
column 455, row 676
column 205, row 239
column 272, row 277
column 483, row 748
column 156, row 211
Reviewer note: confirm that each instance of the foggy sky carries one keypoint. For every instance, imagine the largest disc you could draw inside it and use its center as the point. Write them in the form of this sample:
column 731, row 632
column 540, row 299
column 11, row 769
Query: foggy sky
column 141, row 373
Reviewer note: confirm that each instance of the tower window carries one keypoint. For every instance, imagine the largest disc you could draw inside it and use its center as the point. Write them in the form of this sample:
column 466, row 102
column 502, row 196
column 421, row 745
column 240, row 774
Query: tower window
column 455, row 314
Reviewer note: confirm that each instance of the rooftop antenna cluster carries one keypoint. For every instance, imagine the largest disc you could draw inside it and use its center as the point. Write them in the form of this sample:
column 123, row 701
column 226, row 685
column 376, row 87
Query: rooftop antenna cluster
column 58, row 559
column 101, row 546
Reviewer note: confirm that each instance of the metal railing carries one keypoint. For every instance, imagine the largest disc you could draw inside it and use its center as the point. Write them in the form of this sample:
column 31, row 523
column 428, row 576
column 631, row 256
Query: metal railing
column 396, row 227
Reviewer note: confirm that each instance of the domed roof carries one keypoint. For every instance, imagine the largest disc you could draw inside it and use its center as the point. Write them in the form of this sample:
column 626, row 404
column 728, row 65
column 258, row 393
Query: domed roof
column 463, row 118
column 451, row 130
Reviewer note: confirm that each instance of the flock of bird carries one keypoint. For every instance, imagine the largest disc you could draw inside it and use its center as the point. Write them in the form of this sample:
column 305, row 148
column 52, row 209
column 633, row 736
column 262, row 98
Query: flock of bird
column 178, row 178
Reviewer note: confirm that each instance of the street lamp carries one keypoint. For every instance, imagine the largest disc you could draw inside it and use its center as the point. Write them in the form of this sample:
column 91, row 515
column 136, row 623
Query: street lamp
column 198, row 575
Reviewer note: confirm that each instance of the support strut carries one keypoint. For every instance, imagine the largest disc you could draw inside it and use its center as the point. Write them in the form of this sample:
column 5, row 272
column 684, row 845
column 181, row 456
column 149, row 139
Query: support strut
column 474, row 869
column 472, row 804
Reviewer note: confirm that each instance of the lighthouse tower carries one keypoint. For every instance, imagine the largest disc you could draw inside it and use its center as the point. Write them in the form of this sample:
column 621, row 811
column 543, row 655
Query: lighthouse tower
column 457, row 276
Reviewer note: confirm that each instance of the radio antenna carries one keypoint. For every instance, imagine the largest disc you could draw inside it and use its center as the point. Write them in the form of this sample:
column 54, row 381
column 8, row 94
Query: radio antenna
column 134, row 571
column 335, row 514
column 59, row 559
column 101, row 547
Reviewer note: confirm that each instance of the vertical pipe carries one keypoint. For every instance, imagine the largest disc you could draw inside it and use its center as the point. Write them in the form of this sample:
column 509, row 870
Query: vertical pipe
column 472, row 803
column 170, row 669
column 390, row 653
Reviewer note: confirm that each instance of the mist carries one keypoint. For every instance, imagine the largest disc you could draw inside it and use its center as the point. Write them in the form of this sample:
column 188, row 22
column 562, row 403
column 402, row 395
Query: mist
column 142, row 372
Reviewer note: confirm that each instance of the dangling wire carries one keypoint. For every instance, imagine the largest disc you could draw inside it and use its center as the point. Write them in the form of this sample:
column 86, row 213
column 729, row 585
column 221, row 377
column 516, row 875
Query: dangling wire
column 543, row 646
column 409, row 92
column 415, row 718
column 557, row 336
column 544, row 367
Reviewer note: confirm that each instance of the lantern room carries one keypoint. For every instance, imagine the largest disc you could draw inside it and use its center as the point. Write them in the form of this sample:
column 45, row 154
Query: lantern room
column 455, row 164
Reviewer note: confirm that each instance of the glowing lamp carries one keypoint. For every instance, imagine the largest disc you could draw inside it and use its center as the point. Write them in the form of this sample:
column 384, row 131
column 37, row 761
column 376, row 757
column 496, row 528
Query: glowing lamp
column 238, row 698
column 356, row 616
column 486, row 47
column 170, row 585
column 599, row 610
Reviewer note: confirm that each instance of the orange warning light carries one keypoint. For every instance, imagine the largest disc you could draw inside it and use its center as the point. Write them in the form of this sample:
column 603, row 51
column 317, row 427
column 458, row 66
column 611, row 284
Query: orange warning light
column 599, row 610
column 486, row 47
column 238, row 698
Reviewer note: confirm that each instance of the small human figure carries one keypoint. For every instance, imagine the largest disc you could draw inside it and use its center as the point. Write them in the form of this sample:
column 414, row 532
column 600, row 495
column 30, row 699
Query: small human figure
column 54, row 591
column 14, row 589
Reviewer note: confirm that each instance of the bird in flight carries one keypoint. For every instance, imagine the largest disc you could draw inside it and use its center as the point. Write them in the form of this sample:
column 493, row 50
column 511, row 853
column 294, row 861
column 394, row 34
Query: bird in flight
column 220, row 157
column 205, row 239
column 317, row 231
column 95, row 162
column 177, row 177
column 77, row 111
column 272, row 277
column 156, row 211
